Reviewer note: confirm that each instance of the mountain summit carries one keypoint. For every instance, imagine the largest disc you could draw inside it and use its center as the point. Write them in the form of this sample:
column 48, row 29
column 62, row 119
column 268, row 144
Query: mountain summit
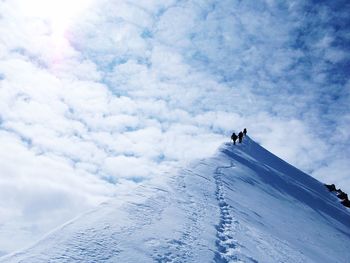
column 242, row 205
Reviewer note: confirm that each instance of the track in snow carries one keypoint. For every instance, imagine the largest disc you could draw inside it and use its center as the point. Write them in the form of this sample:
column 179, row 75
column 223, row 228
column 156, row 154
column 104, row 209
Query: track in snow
column 227, row 246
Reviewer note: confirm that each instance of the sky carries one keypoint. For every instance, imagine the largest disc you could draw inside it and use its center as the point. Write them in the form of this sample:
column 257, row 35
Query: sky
column 98, row 97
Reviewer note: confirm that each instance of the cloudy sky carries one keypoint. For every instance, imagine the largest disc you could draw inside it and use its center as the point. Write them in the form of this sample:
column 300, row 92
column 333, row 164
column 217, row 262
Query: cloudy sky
column 100, row 96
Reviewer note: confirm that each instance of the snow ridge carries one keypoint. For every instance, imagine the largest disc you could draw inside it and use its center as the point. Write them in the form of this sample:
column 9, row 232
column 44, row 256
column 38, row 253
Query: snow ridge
column 244, row 204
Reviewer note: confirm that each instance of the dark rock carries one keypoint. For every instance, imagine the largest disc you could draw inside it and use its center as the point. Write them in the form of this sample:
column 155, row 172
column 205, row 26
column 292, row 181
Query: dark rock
column 342, row 195
column 346, row 203
column 339, row 191
column 331, row 187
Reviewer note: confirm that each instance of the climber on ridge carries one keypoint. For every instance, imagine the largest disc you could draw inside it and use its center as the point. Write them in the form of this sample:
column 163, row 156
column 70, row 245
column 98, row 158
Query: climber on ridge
column 240, row 137
column 234, row 138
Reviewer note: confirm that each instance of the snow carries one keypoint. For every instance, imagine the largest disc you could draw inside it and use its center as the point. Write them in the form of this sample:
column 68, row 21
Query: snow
column 242, row 205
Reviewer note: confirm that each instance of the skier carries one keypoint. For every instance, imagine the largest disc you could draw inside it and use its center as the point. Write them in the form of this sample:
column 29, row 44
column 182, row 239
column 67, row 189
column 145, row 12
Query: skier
column 240, row 136
column 245, row 132
column 234, row 138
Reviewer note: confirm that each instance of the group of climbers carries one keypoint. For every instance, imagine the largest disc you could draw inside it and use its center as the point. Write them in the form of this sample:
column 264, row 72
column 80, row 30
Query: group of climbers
column 240, row 136
column 340, row 194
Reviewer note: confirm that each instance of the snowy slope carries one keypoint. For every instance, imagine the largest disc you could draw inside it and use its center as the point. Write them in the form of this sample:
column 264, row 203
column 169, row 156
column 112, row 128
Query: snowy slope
column 242, row 205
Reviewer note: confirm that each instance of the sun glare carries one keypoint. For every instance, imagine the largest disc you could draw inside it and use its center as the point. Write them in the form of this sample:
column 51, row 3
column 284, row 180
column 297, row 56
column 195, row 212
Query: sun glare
column 60, row 13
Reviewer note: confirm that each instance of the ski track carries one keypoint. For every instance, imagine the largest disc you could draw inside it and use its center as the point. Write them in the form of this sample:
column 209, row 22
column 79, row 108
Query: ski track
column 228, row 248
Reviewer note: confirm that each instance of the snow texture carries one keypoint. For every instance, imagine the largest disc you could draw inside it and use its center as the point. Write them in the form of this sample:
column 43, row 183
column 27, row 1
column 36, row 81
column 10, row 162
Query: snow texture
column 242, row 205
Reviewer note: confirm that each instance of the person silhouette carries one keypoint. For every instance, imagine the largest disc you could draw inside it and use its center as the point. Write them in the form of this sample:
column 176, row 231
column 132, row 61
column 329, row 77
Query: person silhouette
column 234, row 138
column 245, row 132
column 240, row 137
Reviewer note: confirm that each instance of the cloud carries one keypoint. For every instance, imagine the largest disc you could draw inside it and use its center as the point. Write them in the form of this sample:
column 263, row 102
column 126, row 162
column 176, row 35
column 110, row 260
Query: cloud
column 35, row 188
column 133, row 89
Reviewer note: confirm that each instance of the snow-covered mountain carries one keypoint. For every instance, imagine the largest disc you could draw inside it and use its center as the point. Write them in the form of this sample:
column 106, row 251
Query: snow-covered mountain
column 242, row 205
